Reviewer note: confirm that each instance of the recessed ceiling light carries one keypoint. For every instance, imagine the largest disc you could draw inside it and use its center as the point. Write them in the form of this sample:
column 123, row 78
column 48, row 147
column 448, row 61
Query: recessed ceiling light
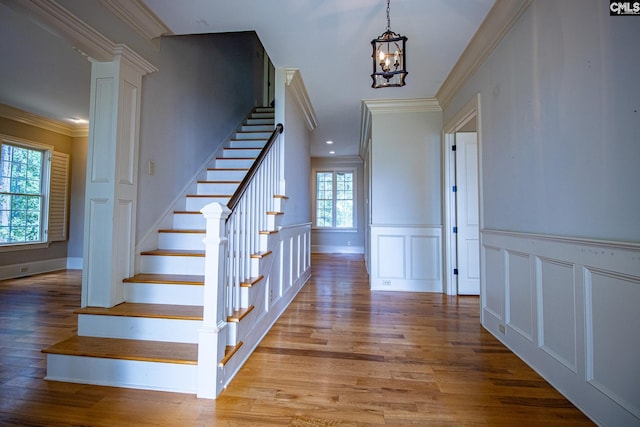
column 332, row 152
column 329, row 142
column 79, row 121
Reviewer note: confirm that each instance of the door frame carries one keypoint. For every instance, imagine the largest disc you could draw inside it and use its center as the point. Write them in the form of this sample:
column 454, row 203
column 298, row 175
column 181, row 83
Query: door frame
column 469, row 111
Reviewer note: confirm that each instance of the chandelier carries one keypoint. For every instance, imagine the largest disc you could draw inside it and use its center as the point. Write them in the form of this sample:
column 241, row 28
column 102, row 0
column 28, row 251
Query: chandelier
column 389, row 58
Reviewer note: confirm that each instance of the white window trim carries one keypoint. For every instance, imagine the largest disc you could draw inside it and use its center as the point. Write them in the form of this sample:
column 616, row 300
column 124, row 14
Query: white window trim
column 46, row 182
column 354, row 171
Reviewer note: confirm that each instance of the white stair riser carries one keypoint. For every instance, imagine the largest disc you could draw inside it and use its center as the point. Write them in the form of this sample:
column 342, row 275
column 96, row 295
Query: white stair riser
column 139, row 328
column 189, row 221
column 241, row 153
column 259, row 115
column 247, row 143
column 225, row 175
column 257, row 128
column 181, row 241
column 157, row 293
column 197, row 203
column 270, row 122
column 158, row 264
column 253, row 135
column 205, row 188
column 180, row 378
column 234, row 163
column 232, row 336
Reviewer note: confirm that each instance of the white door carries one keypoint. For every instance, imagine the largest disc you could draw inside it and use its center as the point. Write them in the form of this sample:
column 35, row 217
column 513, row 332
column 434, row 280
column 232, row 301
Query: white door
column 467, row 217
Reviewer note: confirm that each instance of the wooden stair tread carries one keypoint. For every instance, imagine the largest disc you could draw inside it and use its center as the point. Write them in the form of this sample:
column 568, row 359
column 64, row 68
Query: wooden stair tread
column 247, row 283
column 280, row 196
column 240, row 314
column 181, row 230
column 227, row 169
column 173, row 252
column 209, row 195
column 229, row 352
column 261, row 254
column 268, row 232
column 155, row 311
column 174, row 279
column 116, row 348
column 236, row 158
column 219, row 182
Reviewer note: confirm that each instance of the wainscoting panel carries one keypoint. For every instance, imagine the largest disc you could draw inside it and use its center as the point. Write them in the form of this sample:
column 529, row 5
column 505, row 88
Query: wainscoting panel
column 557, row 310
column 571, row 313
column 614, row 372
column 492, row 288
column 406, row 258
column 519, row 314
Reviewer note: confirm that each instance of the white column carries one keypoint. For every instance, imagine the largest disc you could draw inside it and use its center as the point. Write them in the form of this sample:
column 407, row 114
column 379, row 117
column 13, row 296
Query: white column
column 112, row 175
column 212, row 336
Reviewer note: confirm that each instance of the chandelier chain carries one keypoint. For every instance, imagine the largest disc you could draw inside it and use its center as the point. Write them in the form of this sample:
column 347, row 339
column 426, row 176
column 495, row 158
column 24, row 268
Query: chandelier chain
column 388, row 18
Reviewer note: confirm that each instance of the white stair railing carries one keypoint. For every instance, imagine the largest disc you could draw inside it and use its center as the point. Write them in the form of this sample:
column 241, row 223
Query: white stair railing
column 232, row 238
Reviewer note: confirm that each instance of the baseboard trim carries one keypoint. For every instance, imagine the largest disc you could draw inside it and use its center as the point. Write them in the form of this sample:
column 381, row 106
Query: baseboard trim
column 30, row 268
column 74, row 263
column 334, row 249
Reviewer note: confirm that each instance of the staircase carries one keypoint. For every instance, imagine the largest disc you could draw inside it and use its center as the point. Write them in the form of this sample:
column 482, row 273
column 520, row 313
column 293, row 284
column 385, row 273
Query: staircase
column 150, row 341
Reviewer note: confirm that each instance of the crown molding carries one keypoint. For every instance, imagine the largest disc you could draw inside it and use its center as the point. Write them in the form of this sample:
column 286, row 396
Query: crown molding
column 83, row 38
column 370, row 107
column 293, row 80
column 413, row 105
column 30, row 119
column 502, row 16
column 139, row 17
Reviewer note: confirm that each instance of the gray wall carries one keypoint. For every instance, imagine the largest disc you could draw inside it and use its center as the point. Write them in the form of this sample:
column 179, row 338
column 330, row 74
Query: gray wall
column 76, row 208
column 561, row 124
column 296, row 154
column 560, row 143
column 205, row 86
column 405, row 169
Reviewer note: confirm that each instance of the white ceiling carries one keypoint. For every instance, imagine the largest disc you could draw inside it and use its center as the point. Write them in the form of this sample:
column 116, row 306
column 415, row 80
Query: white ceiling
column 328, row 40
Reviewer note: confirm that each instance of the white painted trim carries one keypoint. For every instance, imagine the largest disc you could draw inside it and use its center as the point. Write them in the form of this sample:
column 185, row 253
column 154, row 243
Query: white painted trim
column 139, row 17
column 470, row 110
column 406, row 258
column 34, row 267
column 414, row 105
column 595, row 325
column 51, row 125
column 293, row 80
column 85, row 39
column 74, row 263
column 336, row 249
column 502, row 16
column 365, row 129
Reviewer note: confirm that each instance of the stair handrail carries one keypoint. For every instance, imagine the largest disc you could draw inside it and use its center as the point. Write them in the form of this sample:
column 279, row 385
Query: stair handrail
column 244, row 184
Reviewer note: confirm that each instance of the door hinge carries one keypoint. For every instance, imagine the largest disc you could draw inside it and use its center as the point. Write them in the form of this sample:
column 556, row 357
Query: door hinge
column 455, row 271
column 453, row 148
column 454, row 188
column 455, row 229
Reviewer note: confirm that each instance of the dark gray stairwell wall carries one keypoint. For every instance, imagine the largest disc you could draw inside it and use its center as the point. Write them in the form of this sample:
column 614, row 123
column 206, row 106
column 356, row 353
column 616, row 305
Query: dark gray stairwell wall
column 205, row 86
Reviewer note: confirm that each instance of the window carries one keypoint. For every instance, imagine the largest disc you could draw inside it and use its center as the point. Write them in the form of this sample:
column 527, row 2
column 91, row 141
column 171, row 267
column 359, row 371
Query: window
column 334, row 199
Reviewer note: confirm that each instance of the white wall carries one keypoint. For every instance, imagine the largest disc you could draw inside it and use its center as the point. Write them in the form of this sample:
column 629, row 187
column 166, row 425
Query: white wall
column 341, row 241
column 559, row 126
column 406, row 202
column 297, row 155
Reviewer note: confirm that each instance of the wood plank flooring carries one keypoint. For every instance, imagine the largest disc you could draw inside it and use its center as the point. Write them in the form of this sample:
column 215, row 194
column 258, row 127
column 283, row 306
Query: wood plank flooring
column 339, row 356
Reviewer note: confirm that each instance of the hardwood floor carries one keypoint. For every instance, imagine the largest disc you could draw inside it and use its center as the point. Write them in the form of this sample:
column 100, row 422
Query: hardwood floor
column 339, row 356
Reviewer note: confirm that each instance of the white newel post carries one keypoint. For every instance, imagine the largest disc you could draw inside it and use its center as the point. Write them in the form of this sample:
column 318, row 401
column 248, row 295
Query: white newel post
column 112, row 176
column 212, row 336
